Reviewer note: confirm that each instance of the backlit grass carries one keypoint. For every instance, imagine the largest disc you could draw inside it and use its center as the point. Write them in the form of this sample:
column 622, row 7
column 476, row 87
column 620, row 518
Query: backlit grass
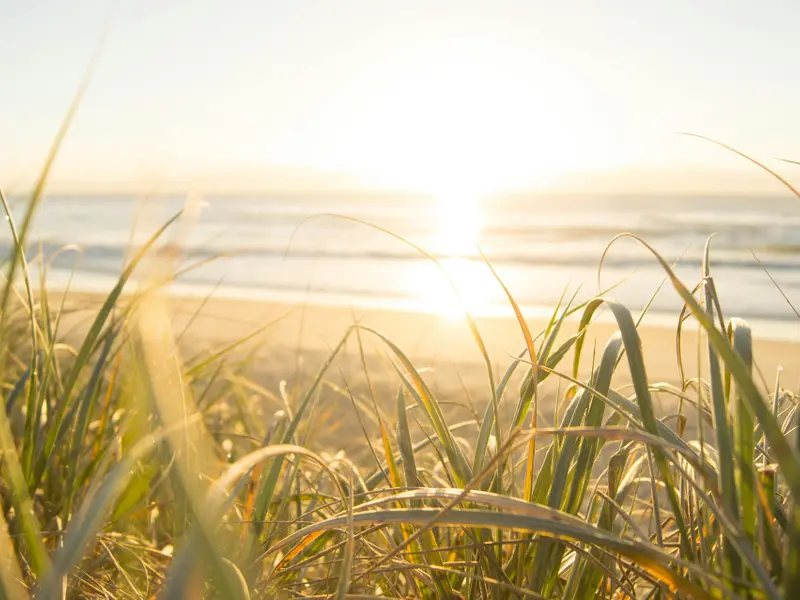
column 129, row 471
column 119, row 480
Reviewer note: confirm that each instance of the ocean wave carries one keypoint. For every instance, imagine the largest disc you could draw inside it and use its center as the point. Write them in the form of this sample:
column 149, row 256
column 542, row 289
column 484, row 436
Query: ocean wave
column 112, row 257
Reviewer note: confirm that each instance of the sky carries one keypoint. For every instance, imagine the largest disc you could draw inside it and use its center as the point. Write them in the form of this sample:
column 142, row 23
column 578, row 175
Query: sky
column 432, row 95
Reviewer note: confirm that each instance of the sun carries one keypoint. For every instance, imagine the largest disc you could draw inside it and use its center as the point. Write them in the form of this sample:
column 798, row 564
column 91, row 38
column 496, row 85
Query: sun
column 459, row 223
column 463, row 122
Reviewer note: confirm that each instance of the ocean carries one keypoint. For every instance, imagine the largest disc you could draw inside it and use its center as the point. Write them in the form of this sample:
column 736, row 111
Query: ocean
column 284, row 247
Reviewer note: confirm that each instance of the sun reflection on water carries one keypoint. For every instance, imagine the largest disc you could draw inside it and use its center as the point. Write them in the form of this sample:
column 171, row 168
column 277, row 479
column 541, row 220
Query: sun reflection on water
column 459, row 224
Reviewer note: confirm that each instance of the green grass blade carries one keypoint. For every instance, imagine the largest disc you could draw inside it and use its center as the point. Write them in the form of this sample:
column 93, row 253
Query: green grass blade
column 633, row 350
column 404, row 440
column 21, row 500
column 787, row 456
column 432, row 410
column 81, row 427
column 722, row 425
column 588, row 452
column 487, row 424
column 741, row 338
column 86, row 349
column 11, row 582
column 92, row 515
column 573, row 465
column 270, row 480
column 18, row 252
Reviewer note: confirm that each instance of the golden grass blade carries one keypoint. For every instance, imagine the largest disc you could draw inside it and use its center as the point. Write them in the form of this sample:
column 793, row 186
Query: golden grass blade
column 428, row 402
column 530, row 347
column 11, row 582
column 777, row 286
column 348, row 551
column 655, row 561
column 270, row 480
column 473, row 326
column 752, row 160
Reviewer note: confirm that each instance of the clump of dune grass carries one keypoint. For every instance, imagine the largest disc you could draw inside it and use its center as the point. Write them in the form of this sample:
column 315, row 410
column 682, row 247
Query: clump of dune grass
column 118, row 479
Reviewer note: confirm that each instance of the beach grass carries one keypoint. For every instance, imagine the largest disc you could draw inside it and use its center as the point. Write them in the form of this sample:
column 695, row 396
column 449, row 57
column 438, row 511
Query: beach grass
column 136, row 466
column 129, row 471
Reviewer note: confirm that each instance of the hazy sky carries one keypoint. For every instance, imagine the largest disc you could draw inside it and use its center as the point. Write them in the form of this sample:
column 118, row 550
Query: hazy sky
column 431, row 94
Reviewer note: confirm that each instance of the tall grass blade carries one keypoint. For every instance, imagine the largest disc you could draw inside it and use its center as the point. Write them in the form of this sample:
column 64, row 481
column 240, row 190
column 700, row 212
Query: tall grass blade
column 33, row 411
column 722, row 425
column 787, row 456
column 21, row 500
column 86, row 349
column 404, row 441
column 11, row 582
column 573, row 465
column 347, row 552
column 270, row 480
column 633, row 350
column 432, row 410
column 17, row 255
column 788, row 185
column 741, row 339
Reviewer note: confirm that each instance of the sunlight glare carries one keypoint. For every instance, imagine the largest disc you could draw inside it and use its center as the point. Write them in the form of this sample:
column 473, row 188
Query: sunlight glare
column 458, row 226
column 465, row 117
column 459, row 223
column 437, row 297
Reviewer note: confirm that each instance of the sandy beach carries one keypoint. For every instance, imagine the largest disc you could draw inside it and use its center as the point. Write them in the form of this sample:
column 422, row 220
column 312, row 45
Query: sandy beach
column 433, row 339
column 293, row 341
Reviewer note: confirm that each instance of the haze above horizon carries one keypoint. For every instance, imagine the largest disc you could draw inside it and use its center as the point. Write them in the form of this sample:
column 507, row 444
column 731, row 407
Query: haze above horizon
column 438, row 96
